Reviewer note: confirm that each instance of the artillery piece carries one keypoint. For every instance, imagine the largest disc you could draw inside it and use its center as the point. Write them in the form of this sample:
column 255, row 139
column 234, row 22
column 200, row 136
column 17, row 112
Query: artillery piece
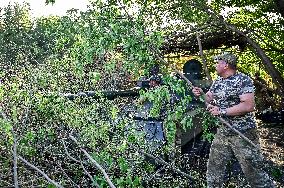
column 153, row 127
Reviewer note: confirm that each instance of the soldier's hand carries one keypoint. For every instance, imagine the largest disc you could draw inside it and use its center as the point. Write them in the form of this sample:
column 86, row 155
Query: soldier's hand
column 214, row 110
column 197, row 91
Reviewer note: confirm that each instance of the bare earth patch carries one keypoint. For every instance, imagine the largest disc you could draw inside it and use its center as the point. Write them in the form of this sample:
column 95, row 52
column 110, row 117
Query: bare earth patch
column 272, row 146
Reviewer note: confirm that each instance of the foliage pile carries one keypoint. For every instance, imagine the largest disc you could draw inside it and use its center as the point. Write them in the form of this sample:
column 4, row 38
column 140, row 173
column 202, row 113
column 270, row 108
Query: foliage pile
column 57, row 55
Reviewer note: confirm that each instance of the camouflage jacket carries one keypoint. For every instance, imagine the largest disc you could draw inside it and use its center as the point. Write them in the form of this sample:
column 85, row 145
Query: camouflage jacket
column 226, row 92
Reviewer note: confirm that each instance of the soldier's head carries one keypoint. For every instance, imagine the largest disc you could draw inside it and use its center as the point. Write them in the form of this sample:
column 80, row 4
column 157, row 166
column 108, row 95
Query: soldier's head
column 154, row 81
column 225, row 63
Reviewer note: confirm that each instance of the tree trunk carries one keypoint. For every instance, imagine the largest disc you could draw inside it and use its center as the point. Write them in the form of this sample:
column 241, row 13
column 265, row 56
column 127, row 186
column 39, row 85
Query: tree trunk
column 272, row 71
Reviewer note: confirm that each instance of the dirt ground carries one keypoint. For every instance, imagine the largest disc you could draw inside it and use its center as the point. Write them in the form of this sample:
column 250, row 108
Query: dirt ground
column 272, row 146
column 272, row 142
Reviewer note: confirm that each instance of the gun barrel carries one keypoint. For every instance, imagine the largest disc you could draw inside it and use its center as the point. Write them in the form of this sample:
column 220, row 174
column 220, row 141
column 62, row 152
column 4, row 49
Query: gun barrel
column 105, row 94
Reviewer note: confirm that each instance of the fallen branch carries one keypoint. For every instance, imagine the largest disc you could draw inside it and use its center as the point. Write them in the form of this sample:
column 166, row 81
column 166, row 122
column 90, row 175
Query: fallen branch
column 162, row 162
column 95, row 162
column 68, row 176
column 68, row 154
column 89, row 175
column 41, row 172
column 15, row 160
column 80, row 162
column 159, row 161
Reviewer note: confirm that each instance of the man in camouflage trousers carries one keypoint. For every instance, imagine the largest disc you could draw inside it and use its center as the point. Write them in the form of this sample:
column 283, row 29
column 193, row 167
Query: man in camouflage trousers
column 231, row 96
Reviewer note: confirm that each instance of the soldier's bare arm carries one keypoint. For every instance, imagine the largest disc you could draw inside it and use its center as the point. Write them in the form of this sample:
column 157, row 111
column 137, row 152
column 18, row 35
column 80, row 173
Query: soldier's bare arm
column 246, row 105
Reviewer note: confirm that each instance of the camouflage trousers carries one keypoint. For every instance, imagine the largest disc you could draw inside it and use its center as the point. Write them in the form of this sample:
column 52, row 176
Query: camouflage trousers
column 224, row 147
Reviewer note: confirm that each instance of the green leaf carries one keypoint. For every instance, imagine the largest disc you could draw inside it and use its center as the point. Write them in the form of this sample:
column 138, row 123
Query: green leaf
column 51, row 186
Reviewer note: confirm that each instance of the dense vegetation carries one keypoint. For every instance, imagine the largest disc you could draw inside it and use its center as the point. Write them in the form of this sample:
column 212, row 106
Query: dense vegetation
column 48, row 140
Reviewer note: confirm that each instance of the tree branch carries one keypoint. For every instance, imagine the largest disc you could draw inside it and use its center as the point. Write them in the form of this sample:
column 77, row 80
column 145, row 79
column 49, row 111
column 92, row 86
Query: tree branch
column 238, row 132
column 95, row 162
column 15, row 160
column 88, row 174
column 68, row 154
column 211, row 40
column 203, row 58
column 80, row 162
column 41, row 172
column 68, row 176
column 162, row 162
column 274, row 73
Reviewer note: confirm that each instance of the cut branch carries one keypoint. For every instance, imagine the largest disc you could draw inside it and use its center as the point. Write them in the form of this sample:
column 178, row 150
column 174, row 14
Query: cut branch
column 66, row 175
column 88, row 174
column 15, row 160
column 95, row 162
column 80, row 162
column 162, row 162
column 41, row 172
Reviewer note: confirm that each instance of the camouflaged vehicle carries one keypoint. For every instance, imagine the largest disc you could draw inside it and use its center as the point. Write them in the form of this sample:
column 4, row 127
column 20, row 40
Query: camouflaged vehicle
column 153, row 127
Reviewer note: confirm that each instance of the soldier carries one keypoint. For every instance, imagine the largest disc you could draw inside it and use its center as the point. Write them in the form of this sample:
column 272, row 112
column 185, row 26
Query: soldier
column 153, row 126
column 232, row 97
